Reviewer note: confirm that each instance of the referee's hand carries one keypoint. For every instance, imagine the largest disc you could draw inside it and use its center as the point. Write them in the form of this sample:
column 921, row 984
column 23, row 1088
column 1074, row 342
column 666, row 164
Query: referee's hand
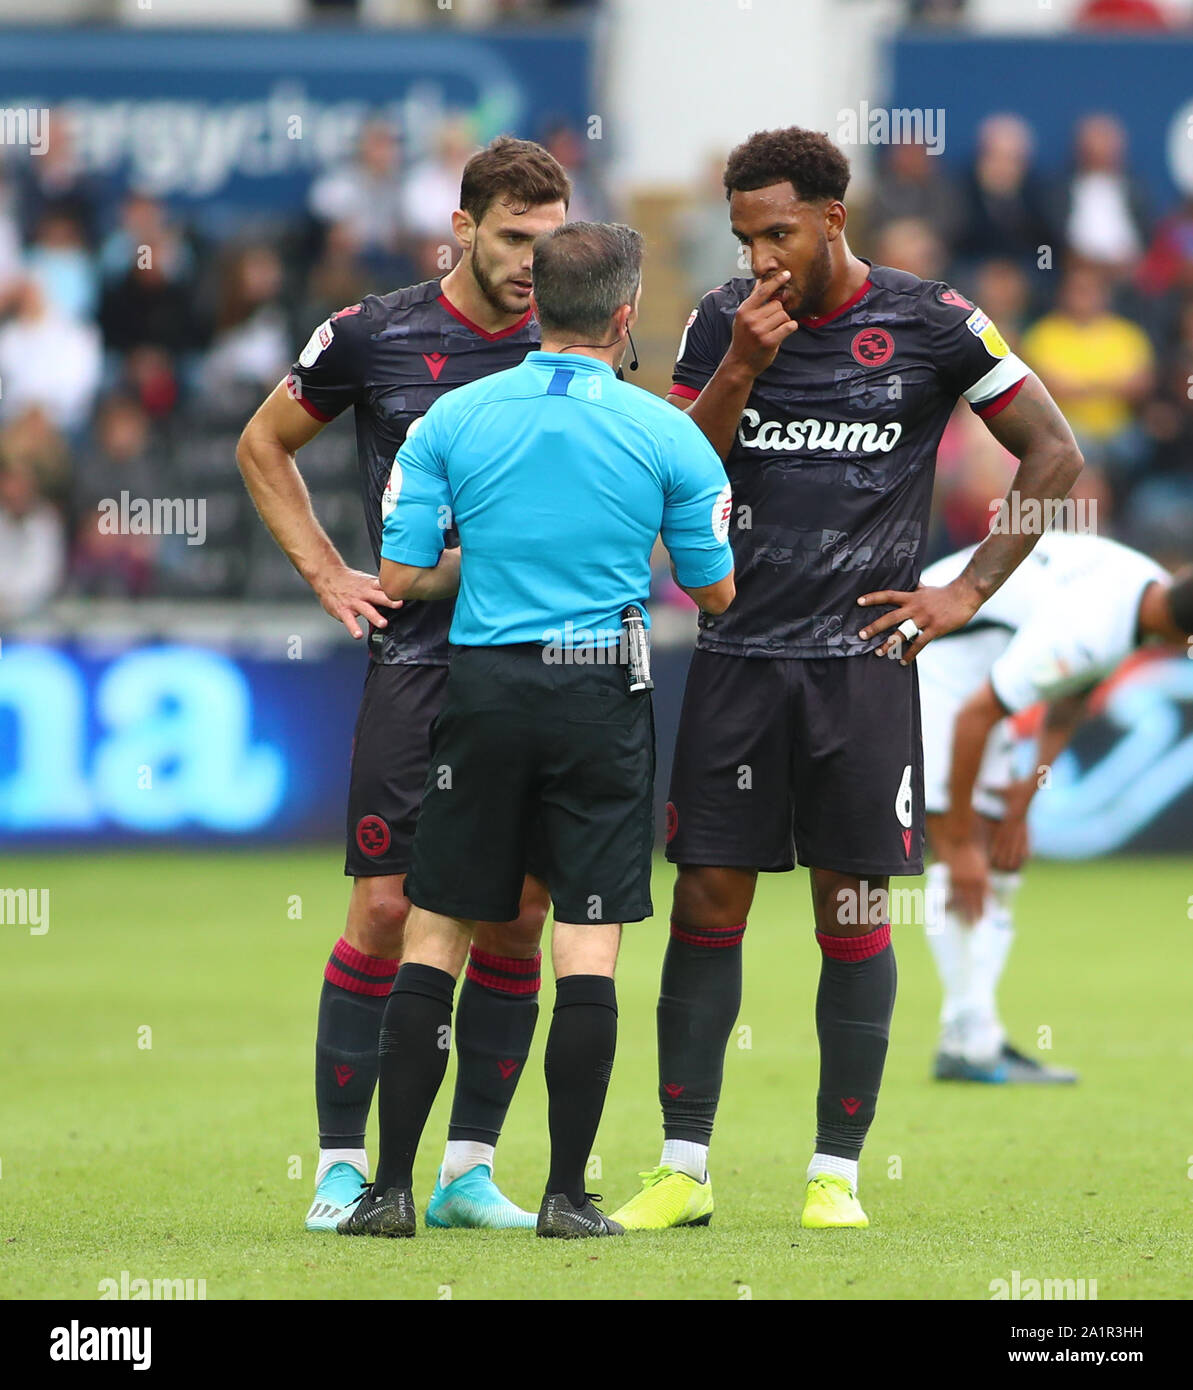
column 932, row 611
column 761, row 325
column 350, row 594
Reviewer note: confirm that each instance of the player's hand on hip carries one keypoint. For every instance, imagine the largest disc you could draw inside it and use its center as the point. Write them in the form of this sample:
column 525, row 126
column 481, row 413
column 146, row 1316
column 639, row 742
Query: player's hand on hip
column 761, row 325
column 916, row 618
column 349, row 595
column 969, row 880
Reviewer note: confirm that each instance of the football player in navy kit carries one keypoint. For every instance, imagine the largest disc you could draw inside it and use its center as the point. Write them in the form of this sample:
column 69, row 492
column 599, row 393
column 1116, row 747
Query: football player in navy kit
column 825, row 383
column 390, row 357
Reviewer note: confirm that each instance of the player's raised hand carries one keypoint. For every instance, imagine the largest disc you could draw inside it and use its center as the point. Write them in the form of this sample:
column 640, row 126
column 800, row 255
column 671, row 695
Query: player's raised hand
column 349, row 594
column 761, row 325
column 928, row 613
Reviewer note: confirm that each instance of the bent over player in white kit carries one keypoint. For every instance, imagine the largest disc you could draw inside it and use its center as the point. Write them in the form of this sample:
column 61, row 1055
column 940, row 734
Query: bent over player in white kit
column 1063, row 621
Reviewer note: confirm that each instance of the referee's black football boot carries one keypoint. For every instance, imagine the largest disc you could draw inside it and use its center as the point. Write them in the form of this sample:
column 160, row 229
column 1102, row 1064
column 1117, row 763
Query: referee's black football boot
column 558, row 1218
column 389, row 1213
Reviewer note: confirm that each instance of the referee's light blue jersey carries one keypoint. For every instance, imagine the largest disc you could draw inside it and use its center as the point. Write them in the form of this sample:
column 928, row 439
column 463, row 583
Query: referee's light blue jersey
column 559, row 478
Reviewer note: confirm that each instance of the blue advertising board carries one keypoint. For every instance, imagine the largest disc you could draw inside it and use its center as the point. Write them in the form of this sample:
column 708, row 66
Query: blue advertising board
column 1145, row 80
column 190, row 744
column 231, row 121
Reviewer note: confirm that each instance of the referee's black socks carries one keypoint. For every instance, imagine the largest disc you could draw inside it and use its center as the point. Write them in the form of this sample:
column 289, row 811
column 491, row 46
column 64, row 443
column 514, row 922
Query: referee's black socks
column 414, row 1044
column 579, row 1062
column 854, row 1004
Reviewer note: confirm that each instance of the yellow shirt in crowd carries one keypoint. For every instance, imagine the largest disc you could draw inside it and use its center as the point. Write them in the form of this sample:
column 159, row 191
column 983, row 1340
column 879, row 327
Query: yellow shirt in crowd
column 1105, row 352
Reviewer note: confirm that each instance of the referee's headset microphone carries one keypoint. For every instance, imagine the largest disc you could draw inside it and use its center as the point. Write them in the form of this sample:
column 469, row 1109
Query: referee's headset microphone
column 633, row 349
column 633, row 360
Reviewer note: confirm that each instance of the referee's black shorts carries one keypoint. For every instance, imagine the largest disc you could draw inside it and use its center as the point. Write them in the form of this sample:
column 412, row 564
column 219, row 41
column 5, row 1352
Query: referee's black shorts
column 554, row 757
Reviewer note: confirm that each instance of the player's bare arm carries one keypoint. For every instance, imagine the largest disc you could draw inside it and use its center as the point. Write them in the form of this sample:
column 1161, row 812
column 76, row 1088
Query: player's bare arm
column 265, row 456
column 1009, row 843
column 1032, row 428
column 760, row 327
column 422, row 582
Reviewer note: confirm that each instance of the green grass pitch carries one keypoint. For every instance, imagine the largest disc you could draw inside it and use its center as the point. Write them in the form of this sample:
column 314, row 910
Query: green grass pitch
column 179, row 1160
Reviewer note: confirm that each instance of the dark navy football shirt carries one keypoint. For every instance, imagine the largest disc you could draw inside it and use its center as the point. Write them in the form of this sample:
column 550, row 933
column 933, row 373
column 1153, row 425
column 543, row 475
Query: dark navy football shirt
column 833, row 460
column 390, row 357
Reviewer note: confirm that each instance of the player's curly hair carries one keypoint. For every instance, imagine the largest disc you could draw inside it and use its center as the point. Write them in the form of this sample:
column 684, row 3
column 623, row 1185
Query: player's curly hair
column 517, row 171
column 807, row 159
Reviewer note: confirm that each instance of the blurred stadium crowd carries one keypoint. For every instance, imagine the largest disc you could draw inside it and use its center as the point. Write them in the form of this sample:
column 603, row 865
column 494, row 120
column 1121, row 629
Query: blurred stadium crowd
column 133, row 348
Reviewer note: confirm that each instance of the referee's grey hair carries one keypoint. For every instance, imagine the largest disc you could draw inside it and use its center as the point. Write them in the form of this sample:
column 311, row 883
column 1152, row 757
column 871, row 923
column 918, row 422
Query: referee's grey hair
column 583, row 273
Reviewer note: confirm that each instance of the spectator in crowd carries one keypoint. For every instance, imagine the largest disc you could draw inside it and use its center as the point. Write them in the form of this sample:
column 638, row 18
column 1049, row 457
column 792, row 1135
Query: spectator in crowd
column 1167, row 266
column 151, row 303
column 912, row 244
column 1105, row 215
column 1161, row 507
column 252, row 346
column 144, row 223
column 30, row 441
column 1004, row 202
column 49, row 360
column 589, row 201
column 121, row 458
column 57, row 180
column 911, row 183
column 60, row 261
column 1099, row 367
column 1002, row 289
column 431, row 192
column 366, row 194
column 338, row 277
column 32, row 542
column 708, row 255
column 104, row 561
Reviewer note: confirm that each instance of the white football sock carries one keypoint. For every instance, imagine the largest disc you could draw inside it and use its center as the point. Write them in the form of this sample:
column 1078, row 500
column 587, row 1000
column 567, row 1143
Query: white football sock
column 823, row 1165
column 357, row 1157
column 949, row 940
column 460, row 1156
column 685, row 1157
column 992, row 938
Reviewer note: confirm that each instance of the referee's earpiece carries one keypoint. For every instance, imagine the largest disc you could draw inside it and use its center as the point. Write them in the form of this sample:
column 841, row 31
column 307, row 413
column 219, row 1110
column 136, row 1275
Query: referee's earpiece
column 634, row 350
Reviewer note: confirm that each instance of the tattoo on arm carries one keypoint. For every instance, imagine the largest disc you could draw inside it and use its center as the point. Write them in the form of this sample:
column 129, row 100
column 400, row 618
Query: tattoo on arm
column 1034, row 430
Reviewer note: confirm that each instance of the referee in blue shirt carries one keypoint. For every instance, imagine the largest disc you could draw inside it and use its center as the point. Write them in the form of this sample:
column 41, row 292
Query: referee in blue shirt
column 559, row 477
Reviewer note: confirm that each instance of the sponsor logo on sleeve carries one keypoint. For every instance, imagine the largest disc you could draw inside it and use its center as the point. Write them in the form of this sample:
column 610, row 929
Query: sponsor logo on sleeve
column 991, row 339
column 721, row 510
column 389, row 498
column 319, row 339
column 683, row 342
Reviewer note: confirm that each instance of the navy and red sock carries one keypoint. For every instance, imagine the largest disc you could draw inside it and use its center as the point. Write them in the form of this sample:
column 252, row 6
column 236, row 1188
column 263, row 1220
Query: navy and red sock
column 699, row 1000
column 854, row 1004
column 495, row 1020
column 351, row 1005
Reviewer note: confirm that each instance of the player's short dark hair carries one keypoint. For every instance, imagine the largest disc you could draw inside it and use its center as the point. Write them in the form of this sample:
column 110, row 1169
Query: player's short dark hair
column 806, row 159
column 518, row 172
column 583, row 273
